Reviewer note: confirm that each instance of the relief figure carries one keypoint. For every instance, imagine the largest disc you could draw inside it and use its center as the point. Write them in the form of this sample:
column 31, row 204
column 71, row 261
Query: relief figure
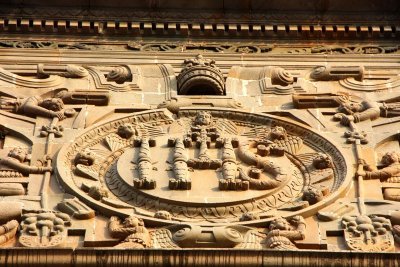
column 131, row 231
column 282, row 232
column 16, row 160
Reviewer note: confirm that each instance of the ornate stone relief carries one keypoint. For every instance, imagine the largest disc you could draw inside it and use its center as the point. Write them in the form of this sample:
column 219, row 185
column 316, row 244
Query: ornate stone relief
column 200, row 76
column 258, row 47
column 43, row 229
column 200, row 47
column 123, row 170
column 267, row 80
column 51, row 45
column 8, row 231
column 362, row 49
column 365, row 233
column 87, row 78
column 201, row 154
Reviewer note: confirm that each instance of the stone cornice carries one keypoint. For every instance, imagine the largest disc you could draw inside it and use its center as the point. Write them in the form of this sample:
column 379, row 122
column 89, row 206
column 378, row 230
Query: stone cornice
column 383, row 30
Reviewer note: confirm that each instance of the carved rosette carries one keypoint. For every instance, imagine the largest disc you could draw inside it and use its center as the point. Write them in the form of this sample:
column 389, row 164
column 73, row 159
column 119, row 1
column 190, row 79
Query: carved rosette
column 287, row 161
column 200, row 76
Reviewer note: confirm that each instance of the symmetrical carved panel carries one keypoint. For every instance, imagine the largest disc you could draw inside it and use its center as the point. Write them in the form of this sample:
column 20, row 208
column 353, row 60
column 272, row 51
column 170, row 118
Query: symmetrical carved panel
column 285, row 151
column 224, row 164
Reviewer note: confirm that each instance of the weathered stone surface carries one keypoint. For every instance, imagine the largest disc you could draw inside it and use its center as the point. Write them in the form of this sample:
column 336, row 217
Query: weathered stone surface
column 199, row 141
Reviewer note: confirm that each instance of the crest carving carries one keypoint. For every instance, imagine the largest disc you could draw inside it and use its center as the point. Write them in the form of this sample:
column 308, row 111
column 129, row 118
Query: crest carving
column 200, row 154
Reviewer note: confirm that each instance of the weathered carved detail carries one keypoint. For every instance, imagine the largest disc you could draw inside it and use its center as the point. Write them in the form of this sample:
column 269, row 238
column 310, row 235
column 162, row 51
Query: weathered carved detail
column 200, row 47
column 120, row 75
column 322, row 161
column 388, row 173
column 313, row 195
column 69, row 71
column 282, row 232
column 8, row 231
column 76, row 209
column 175, row 104
column 97, row 98
column 180, row 167
column 86, row 164
column 56, row 130
column 47, row 45
column 203, row 132
column 240, row 156
column 145, row 165
column 267, row 80
column 301, row 101
column 131, row 231
column 95, row 191
column 363, row 49
column 127, row 130
column 197, row 130
column 191, row 236
column 332, row 73
column 43, row 229
column 37, row 106
column 249, row 217
column 163, row 215
column 119, row 79
column 200, row 76
column 16, row 160
column 368, row 233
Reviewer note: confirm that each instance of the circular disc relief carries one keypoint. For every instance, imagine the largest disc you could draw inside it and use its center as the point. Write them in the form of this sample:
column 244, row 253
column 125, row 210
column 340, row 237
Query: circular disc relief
column 205, row 165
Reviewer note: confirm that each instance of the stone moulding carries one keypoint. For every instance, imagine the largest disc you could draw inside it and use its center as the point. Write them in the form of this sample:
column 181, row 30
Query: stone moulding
column 51, row 81
column 191, row 257
column 213, row 46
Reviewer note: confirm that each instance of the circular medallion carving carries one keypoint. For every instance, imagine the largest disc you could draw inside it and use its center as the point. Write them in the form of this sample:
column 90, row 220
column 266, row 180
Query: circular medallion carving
column 206, row 166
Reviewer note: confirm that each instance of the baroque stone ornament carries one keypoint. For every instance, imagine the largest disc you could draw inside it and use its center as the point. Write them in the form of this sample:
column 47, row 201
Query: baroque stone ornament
column 368, row 233
column 362, row 49
column 132, row 230
column 43, row 228
column 16, row 164
column 199, row 47
column 283, row 232
column 200, row 76
column 8, row 231
column 222, row 133
column 212, row 165
column 267, row 80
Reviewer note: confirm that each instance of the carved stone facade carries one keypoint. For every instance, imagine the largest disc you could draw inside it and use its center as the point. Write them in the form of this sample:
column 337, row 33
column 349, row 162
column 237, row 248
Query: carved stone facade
column 217, row 141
